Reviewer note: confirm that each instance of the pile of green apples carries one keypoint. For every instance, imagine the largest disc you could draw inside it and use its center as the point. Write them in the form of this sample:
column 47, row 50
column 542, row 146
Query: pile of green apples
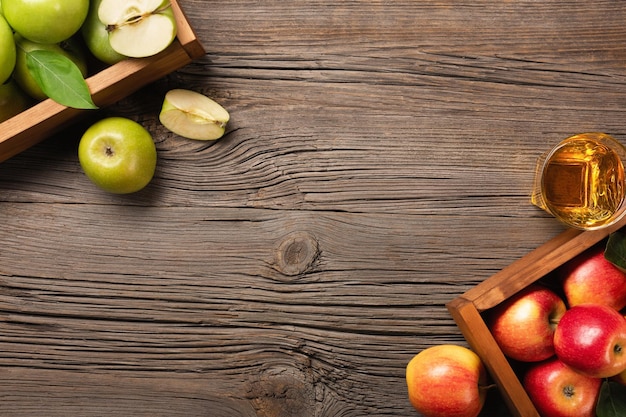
column 117, row 154
column 109, row 30
column 566, row 335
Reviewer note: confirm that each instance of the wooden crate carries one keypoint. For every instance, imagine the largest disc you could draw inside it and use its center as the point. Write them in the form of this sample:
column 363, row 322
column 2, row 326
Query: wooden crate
column 468, row 308
column 107, row 86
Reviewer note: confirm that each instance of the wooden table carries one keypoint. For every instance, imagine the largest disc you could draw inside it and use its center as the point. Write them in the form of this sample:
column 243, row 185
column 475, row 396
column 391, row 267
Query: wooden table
column 378, row 164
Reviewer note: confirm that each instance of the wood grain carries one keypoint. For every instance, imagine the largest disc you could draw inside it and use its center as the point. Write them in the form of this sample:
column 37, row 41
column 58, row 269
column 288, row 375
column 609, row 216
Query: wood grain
column 377, row 165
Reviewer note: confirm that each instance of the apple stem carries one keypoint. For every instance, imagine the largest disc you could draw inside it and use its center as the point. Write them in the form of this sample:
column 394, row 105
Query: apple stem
column 487, row 387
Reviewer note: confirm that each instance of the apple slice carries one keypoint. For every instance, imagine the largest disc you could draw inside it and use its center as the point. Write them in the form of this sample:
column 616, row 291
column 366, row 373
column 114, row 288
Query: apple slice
column 138, row 28
column 193, row 115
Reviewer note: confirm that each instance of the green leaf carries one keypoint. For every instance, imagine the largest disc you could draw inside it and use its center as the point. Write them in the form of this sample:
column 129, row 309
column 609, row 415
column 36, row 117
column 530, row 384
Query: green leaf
column 59, row 78
column 612, row 401
column 615, row 251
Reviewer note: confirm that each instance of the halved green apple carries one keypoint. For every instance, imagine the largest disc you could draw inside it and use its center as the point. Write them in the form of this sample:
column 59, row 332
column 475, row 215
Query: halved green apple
column 138, row 28
column 193, row 115
column 96, row 36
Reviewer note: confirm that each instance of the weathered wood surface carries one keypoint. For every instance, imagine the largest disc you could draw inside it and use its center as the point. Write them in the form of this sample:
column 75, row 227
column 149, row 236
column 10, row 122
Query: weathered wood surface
column 378, row 164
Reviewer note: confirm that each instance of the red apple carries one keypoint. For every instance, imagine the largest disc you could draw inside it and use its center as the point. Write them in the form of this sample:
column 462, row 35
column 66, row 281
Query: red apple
column 523, row 325
column 446, row 381
column 558, row 391
column 591, row 278
column 591, row 339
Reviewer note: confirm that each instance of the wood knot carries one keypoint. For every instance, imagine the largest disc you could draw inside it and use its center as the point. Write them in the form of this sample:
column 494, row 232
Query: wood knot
column 297, row 253
column 282, row 392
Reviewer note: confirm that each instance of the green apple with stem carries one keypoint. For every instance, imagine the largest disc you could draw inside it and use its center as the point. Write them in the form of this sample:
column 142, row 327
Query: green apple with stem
column 193, row 115
column 7, row 51
column 23, row 77
column 118, row 155
column 96, row 37
column 12, row 100
column 45, row 21
column 138, row 28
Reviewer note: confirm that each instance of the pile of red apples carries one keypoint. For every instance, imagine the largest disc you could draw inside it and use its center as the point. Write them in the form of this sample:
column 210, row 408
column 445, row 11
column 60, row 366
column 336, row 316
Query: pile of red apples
column 569, row 336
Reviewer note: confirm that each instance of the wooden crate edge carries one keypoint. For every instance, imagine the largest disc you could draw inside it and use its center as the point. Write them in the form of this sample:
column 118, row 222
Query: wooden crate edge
column 186, row 35
column 535, row 265
column 478, row 336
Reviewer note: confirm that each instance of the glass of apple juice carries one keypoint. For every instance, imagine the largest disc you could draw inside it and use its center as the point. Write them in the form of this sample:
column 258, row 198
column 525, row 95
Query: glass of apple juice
column 581, row 181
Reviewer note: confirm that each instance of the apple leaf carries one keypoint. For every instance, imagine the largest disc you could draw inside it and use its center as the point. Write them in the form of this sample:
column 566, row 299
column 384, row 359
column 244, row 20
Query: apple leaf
column 612, row 401
column 615, row 251
column 59, row 78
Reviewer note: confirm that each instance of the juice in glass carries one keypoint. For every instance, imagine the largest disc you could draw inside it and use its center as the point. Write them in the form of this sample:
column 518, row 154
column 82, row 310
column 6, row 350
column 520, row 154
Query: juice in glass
column 581, row 181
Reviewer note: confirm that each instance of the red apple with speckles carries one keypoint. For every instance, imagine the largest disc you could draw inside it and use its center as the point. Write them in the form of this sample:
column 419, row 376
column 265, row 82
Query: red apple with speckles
column 558, row 391
column 524, row 325
column 591, row 278
column 591, row 339
column 446, row 381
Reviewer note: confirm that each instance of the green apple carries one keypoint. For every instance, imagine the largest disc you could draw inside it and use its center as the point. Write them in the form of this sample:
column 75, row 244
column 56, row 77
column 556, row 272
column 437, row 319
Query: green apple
column 118, row 155
column 7, row 51
column 138, row 28
column 12, row 100
column 96, row 37
column 45, row 21
column 193, row 115
column 22, row 75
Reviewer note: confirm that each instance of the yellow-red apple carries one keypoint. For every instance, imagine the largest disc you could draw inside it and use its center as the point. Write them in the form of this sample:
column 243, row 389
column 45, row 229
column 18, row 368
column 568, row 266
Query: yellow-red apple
column 524, row 325
column 446, row 381
column 558, row 391
column 591, row 339
column 591, row 278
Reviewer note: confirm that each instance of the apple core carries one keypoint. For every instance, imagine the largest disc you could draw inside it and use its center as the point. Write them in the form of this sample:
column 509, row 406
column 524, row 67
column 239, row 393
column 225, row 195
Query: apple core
column 138, row 28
